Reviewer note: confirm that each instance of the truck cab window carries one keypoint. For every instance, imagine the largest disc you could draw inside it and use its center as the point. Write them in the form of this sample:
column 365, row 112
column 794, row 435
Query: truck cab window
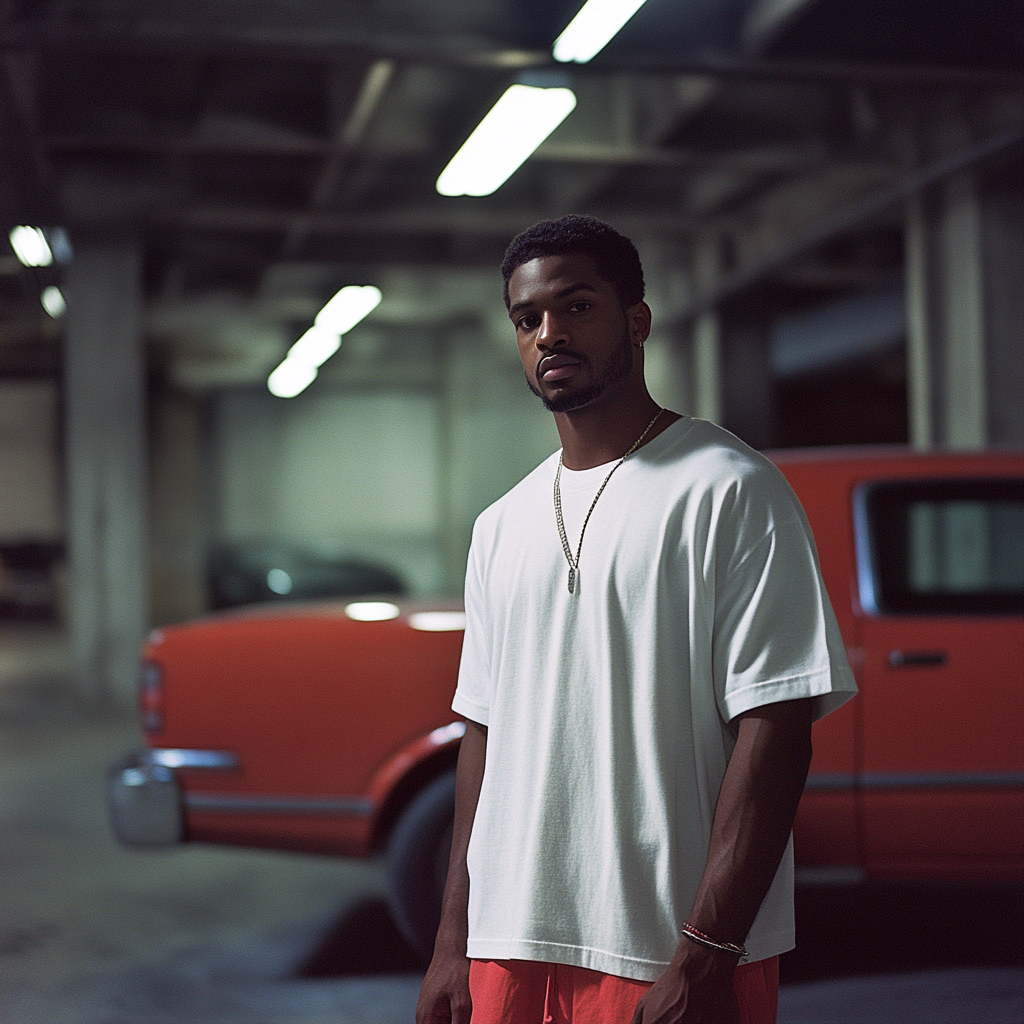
column 942, row 547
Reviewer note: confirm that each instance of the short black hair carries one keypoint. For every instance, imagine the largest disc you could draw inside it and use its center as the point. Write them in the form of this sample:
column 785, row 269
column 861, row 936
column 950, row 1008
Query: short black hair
column 614, row 255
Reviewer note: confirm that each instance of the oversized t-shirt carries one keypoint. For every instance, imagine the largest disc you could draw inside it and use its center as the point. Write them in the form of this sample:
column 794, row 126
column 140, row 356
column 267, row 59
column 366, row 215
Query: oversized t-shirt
column 608, row 710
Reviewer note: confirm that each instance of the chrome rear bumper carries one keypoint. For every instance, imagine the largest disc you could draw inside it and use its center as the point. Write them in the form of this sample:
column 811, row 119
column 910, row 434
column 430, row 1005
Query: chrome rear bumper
column 144, row 801
column 144, row 797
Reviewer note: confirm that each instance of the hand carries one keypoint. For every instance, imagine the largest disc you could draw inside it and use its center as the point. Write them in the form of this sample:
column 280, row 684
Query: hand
column 697, row 988
column 444, row 995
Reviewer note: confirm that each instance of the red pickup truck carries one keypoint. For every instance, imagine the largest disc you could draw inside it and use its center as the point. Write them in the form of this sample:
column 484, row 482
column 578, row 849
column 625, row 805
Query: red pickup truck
column 326, row 727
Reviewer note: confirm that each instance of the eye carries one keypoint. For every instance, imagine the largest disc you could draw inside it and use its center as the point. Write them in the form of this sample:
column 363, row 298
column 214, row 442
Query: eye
column 580, row 306
column 528, row 322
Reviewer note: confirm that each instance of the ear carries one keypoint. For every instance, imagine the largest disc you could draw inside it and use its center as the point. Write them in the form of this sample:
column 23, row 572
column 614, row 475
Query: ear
column 638, row 317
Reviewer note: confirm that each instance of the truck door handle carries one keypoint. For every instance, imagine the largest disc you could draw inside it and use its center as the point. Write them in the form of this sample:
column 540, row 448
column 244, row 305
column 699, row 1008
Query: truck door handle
column 917, row 659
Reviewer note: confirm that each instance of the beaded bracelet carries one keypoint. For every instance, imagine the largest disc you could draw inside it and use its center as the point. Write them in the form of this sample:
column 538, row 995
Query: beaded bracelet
column 705, row 940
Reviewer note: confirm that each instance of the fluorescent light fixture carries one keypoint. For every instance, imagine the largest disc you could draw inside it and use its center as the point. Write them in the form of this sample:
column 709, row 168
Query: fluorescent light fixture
column 53, row 301
column 291, row 378
column 372, row 611
column 510, row 131
column 323, row 339
column 30, row 246
column 315, row 347
column 592, row 29
column 348, row 307
column 437, row 622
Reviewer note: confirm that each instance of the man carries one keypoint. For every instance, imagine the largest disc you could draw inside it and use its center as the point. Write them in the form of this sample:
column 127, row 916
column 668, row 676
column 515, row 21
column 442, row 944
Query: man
column 648, row 640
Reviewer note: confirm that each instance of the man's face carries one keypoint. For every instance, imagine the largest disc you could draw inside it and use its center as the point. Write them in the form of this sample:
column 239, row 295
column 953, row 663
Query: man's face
column 575, row 339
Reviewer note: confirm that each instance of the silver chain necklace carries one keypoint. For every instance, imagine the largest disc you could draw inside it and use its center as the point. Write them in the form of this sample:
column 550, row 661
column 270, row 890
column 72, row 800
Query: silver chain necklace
column 574, row 563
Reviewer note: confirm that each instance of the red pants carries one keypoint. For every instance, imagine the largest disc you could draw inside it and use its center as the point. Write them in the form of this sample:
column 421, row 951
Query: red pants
column 529, row 992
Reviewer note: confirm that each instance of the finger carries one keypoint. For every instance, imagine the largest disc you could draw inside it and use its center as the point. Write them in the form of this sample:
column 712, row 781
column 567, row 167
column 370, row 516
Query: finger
column 442, row 1010
column 435, row 1015
column 461, row 1009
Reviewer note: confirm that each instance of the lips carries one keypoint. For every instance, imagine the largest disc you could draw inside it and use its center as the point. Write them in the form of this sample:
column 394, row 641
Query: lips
column 557, row 366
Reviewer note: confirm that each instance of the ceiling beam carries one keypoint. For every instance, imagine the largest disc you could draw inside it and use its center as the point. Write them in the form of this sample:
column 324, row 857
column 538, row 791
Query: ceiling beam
column 762, row 159
column 350, row 131
column 766, row 159
column 202, row 145
column 325, row 42
column 440, row 220
column 332, row 43
column 851, row 216
column 766, row 20
column 19, row 75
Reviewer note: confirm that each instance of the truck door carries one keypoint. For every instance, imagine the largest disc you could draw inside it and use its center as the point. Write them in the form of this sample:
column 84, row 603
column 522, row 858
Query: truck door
column 941, row 579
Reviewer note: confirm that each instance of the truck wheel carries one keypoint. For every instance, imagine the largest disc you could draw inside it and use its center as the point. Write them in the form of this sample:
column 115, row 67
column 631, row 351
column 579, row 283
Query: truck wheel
column 417, row 862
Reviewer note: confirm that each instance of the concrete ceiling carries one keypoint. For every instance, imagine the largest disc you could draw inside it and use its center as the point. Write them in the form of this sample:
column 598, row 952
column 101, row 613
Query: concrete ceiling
column 269, row 152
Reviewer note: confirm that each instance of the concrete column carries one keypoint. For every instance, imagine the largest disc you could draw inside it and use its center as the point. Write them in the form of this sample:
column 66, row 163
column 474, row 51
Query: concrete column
column 963, row 311
column 747, row 385
column 449, row 540
column 707, row 335
column 920, row 325
column 667, row 362
column 177, row 526
column 964, row 262
column 964, row 257
column 108, row 608
column 1003, row 243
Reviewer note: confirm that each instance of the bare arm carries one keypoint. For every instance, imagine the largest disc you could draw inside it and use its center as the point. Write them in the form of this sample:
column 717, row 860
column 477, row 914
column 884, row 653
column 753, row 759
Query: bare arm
column 753, row 819
column 444, row 996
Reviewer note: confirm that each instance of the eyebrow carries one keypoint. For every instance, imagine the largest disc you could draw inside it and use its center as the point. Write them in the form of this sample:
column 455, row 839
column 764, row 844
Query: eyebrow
column 579, row 286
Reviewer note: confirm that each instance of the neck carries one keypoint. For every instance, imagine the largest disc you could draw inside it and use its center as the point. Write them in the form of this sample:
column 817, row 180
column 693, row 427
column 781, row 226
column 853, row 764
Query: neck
column 605, row 431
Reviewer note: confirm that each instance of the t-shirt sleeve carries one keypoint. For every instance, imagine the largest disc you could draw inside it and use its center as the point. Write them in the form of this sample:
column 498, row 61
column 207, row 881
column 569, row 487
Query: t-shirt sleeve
column 472, row 695
column 775, row 634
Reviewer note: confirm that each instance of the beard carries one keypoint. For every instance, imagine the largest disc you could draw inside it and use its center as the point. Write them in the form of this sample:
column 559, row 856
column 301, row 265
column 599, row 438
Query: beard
column 616, row 369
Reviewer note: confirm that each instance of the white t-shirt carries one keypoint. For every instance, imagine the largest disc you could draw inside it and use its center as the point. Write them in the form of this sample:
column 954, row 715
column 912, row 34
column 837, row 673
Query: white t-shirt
column 698, row 597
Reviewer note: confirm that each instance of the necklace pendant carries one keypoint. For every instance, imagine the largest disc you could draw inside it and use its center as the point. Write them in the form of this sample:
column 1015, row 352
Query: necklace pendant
column 572, row 579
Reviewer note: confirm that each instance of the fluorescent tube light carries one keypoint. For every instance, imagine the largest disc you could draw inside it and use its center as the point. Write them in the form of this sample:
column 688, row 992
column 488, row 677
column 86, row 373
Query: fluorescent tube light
column 372, row 611
column 438, row 622
column 53, row 301
column 322, row 340
column 30, row 246
column 291, row 378
column 348, row 307
column 315, row 347
column 513, row 128
column 593, row 27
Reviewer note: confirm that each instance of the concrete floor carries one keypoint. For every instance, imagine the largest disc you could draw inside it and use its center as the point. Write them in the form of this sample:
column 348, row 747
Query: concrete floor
column 91, row 933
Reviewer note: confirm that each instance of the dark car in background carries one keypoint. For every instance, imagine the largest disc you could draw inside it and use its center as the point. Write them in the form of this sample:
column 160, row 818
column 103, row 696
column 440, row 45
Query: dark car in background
column 259, row 571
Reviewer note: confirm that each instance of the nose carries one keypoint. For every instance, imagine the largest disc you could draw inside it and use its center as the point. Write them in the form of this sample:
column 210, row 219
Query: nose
column 550, row 333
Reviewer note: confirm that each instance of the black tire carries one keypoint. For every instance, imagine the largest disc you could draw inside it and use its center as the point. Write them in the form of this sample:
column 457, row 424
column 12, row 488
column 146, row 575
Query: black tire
column 417, row 862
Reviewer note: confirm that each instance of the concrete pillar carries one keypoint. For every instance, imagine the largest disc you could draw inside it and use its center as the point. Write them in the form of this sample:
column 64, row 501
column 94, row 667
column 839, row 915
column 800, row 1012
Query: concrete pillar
column 1003, row 244
column 108, row 608
column 177, row 524
column 963, row 313
column 706, row 341
column 450, row 543
column 747, row 384
column 920, row 324
column 667, row 361
column 964, row 263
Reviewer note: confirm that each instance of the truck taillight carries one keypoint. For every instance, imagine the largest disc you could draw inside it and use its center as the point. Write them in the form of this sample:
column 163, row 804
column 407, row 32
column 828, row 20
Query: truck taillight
column 151, row 697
